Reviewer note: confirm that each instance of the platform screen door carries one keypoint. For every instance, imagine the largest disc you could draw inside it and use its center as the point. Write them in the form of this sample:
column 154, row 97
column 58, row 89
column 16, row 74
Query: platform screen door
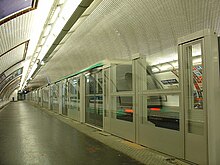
column 195, row 102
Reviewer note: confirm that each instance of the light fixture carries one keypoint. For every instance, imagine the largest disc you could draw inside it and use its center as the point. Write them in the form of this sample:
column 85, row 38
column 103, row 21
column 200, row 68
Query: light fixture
column 43, row 41
column 47, row 30
column 50, row 40
column 61, row 2
column 42, row 63
column 55, row 15
column 32, row 71
column 58, row 25
column 62, row 12
column 38, row 49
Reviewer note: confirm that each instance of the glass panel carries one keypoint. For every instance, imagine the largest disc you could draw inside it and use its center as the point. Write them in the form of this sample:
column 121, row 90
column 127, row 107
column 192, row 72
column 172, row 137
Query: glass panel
column 55, row 97
column 45, row 97
column 74, row 97
column 162, row 71
column 94, row 110
column 122, row 78
column 64, row 98
column 197, row 77
column 106, row 77
column 162, row 111
column 123, row 108
column 39, row 96
column 195, row 111
column 94, row 99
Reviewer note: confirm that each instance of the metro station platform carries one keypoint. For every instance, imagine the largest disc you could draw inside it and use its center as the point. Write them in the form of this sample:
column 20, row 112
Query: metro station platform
column 32, row 135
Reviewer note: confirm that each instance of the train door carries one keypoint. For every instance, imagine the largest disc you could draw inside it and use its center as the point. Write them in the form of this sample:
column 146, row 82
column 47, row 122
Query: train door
column 195, row 102
column 74, row 98
column 64, row 97
column 94, row 98
column 121, row 101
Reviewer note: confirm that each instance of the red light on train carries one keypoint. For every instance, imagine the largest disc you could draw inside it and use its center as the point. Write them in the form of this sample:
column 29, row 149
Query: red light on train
column 129, row 110
column 155, row 109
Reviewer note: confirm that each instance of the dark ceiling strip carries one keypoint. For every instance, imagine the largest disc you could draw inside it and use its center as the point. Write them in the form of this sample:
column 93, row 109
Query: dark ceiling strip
column 25, row 42
column 34, row 6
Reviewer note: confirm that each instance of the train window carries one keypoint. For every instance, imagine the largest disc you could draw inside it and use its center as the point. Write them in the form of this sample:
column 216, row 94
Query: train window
column 162, row 111
column 124, row 108
column 45, row 98
column 94, row 98
column 55, row 96
column 195, row 79
column 123, row 76
column 94, row 83
column 74, row 95
column 162, row 72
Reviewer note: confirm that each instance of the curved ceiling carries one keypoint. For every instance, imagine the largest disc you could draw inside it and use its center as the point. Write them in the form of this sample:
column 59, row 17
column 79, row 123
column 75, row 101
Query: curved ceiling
column 18, row 20
column 118, row 29
column 108, row 30
column 5, row 80
column 10, row 87
column 13, row 8
column 13, row 57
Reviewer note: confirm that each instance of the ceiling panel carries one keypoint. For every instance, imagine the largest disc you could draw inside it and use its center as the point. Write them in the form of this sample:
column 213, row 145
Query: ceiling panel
column 16, row 31
column 118, row 29
column 12, row 57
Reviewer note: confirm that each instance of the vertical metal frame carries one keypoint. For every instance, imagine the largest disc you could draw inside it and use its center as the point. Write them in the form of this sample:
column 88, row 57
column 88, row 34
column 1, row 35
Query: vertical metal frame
column 213, row 96
column 106, row 99
column 49, row 98
column 211, row 87
column 82, row 98
column 120, row 127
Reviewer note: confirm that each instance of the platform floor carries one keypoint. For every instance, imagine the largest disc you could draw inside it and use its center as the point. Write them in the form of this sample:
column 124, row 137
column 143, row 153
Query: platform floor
column 31, row 135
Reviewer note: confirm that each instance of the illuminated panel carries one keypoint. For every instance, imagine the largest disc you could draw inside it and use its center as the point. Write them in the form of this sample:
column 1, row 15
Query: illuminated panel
column 10, row 9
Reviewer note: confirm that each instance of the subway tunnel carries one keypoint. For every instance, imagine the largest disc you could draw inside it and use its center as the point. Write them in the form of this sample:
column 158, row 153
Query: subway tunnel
column 120, row 82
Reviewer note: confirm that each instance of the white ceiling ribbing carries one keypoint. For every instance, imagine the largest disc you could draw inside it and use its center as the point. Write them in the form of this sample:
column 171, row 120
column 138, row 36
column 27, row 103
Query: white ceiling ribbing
column 118, row 29
column 12, row 57
column 15, row 32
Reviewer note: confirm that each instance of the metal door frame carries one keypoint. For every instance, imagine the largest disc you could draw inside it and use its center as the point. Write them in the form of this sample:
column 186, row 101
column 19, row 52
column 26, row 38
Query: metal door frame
column 124, row 129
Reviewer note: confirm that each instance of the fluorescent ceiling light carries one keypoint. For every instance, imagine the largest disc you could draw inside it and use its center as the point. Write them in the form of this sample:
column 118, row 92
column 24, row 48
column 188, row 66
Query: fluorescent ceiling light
column 69, row 8
column 59, row 24
column 43, row 41
column 38, row 49
column 47, row 30
column 42, row 63
column 32, row 71
column 55, row 15
column 50, row 40
column 61, row 2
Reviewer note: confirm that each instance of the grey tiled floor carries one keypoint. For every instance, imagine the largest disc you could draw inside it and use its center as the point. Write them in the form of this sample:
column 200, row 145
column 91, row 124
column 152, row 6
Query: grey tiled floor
column 142, row 154
column 30, row 136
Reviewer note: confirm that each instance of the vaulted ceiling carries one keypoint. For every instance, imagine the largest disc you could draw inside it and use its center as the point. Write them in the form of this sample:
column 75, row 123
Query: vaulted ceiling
column 118, row 29
column 17, row 42
column 107, row 29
